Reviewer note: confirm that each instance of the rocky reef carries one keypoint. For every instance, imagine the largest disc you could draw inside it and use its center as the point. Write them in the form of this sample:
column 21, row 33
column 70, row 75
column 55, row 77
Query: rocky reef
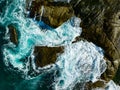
column 100, row 24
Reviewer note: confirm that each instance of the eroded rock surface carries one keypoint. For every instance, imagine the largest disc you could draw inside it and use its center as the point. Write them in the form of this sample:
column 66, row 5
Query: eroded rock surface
column 46, row 55
column 100, row 24
column 13, row 34
column 52, row 13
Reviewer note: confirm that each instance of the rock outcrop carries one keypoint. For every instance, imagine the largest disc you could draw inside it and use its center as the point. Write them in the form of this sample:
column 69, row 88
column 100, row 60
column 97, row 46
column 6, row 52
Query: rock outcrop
column 46, row 55
column 100, row 24
column 52, row 13
column 13, row 34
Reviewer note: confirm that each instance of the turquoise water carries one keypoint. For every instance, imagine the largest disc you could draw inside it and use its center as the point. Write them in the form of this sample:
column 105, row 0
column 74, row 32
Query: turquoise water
column 80, row 62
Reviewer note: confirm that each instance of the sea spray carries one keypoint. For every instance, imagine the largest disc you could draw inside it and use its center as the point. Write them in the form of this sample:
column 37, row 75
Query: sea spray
column 31, row 34
column 81, row 61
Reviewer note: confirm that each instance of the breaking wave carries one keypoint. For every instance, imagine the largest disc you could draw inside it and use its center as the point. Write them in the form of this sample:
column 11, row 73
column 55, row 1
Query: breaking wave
column 81, row 61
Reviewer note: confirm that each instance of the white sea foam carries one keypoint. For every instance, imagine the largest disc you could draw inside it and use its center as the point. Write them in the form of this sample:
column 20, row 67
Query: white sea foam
column 112, row 86
column 80, row 62
column 31, row 34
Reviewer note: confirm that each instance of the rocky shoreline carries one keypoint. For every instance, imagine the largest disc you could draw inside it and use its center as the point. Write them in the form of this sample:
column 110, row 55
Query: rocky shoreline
column 100, row 24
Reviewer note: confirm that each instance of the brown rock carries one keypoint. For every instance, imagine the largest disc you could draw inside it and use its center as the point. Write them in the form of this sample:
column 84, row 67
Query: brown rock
column 101, row 25
column 52, row 13
column 46, row 55
column 13, row 34
column 98, row 84
column 117, row 76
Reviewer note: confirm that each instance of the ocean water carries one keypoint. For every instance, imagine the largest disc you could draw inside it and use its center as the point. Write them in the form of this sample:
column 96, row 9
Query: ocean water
column 81, row 62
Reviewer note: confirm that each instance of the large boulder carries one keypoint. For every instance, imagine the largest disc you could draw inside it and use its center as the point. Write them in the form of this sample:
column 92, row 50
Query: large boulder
column 46, row 55
column 52, row 13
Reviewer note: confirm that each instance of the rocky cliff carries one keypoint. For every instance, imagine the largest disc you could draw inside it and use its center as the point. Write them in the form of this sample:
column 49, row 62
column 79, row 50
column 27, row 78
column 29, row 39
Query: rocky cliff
column 101, row 25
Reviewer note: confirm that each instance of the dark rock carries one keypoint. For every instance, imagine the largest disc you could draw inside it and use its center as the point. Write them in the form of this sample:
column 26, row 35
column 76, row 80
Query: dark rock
column 98, row 84
column 117, row 76
column 13, row 34
column 46, row 55
column 100, row 24
column 52, row 13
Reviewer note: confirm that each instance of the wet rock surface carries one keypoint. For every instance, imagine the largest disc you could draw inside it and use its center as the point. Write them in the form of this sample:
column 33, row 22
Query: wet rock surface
column 13, row 34
column 52, row 13
column 100, row 24
column 46, row 55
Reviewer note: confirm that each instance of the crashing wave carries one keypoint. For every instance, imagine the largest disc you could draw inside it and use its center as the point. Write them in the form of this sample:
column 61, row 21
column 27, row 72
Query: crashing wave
column 112, row 86
column 32, row 35
column 80, row 62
